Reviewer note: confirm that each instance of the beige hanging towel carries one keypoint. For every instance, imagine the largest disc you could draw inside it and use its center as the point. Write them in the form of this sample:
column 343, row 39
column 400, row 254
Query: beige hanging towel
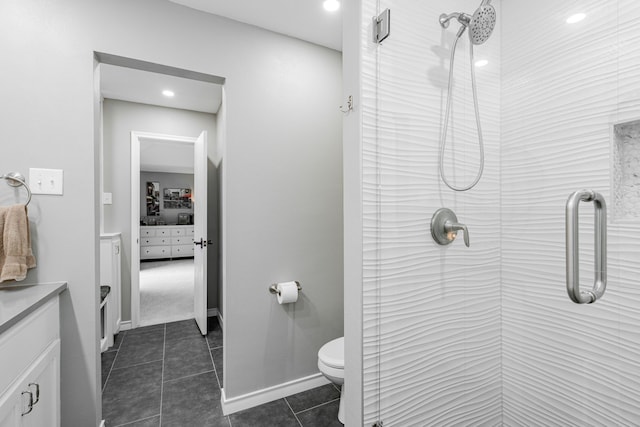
column 16, row 256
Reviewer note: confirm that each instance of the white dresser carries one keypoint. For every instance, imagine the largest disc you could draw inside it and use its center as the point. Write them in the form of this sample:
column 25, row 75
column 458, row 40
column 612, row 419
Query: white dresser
column 30, row 355
column 166, row 241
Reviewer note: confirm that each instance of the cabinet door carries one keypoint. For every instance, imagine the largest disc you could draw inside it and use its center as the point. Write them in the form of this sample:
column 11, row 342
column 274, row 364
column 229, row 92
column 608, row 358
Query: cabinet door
column 43, row 381
column 10, row 409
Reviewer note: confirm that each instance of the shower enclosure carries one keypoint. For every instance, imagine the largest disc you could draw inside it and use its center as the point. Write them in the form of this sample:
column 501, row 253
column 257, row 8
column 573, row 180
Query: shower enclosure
column 486, row 335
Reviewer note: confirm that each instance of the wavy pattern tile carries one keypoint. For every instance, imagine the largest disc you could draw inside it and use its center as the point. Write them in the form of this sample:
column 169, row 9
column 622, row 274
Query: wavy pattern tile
column 566, row 364
column 432, row 313
column 486, row 335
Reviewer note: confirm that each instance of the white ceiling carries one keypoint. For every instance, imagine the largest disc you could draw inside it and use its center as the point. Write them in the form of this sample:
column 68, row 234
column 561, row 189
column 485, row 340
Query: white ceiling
column 302, row 19
column 128, row 84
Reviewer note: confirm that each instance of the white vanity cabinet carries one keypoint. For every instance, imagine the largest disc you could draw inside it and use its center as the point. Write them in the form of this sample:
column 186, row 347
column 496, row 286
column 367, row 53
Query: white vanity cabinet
column 166, row 241
column 35, row 399
column 110, row 275
column 30, row 359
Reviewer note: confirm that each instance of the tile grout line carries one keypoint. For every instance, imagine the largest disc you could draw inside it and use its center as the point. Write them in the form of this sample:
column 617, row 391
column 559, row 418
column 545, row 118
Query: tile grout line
column 136, row 364
column 292, row 411
column 189, row 376
column 128, row 423
column 214, row 368
column 113, row 364
column 317, row 406
column 164, row 346
column 106, row 381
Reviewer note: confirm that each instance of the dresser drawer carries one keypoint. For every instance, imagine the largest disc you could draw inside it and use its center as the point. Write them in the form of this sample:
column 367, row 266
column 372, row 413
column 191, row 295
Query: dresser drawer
column 182, row 250
column 163, row 232
column 155, row 241
column 155, row 252
column 147, row 232
column 178, row 241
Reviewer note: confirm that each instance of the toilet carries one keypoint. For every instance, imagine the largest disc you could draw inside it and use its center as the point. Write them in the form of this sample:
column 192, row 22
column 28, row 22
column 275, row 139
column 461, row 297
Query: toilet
column 331, row 364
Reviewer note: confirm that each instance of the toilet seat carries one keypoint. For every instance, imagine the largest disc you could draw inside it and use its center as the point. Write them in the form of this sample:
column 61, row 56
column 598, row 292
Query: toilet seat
column 332, row 354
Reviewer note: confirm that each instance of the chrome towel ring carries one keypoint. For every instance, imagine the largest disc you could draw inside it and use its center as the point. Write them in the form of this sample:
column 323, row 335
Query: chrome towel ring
column 16, row 179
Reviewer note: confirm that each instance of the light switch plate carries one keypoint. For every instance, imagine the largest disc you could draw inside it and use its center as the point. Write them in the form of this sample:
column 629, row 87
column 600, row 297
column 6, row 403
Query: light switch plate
column 46, row 181
column 107, row 198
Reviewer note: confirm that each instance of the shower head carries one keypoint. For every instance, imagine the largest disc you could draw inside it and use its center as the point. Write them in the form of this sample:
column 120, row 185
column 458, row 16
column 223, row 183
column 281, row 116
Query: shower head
column 480, row 25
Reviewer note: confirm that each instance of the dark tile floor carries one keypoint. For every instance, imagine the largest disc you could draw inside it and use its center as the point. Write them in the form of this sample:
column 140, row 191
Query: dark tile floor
column 170, row 375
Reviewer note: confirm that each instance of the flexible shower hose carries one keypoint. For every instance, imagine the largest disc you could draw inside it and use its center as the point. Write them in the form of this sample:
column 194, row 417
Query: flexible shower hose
column 443, row 141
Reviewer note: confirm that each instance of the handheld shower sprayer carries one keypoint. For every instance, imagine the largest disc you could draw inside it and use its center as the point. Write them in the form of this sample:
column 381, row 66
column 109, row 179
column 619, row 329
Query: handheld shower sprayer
column 480, row 25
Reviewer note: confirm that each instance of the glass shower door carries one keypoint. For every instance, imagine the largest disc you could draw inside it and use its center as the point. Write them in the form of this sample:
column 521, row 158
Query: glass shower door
column 487, row 335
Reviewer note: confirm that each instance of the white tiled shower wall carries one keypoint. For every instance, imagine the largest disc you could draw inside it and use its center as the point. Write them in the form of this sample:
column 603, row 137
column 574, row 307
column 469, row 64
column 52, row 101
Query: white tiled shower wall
column 432, row 313
column 563, row 88
column 486, row 335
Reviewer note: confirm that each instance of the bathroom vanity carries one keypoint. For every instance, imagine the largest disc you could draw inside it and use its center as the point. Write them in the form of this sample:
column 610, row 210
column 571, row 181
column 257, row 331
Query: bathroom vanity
column 30, row 355
column 166, row 241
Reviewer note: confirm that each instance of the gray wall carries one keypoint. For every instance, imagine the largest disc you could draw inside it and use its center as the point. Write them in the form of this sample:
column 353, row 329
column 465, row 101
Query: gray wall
column 283, row 198
column 166, row 180
column 120, row 118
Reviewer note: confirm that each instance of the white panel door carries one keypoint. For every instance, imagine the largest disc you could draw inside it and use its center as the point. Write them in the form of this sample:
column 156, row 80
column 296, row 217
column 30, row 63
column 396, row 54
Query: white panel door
column 200, row 231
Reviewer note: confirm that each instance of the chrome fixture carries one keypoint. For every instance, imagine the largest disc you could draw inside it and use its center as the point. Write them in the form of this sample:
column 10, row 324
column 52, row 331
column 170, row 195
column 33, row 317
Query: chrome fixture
column 481, row 25
column 274, row 288
column 16, row 179
column 573, row 247
column 445, row 227
column 349, row 105
column 381, row 26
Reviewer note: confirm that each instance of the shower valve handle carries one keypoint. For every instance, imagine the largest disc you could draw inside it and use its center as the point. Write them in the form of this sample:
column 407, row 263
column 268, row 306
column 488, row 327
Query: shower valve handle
column 454, row 227
column 445, row 227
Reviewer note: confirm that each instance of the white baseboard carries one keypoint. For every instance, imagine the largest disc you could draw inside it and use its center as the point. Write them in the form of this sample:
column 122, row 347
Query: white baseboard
column 246, row 401
column 125, row 325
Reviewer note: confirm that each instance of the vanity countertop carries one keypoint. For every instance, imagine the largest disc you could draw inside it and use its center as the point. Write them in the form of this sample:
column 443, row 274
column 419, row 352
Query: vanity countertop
column 18, row 301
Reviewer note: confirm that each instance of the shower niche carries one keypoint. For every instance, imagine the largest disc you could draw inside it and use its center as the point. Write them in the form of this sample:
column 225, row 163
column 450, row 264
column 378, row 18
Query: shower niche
column 626, row 171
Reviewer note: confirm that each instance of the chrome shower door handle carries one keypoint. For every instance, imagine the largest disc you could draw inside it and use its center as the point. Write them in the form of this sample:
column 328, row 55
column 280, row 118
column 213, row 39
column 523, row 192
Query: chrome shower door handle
column 573, row 247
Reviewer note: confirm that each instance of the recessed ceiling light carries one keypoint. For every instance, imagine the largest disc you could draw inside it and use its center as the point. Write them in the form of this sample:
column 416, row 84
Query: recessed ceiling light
column 577, row 17
column 168, row 93
column 481, row 62
column 331, row 5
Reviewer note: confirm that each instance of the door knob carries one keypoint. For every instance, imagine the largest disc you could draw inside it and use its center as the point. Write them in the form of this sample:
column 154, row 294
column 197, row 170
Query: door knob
column 202, row 243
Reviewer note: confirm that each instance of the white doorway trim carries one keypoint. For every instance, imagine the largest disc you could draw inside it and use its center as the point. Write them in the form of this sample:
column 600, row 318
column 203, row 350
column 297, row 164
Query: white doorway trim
column 136, row 138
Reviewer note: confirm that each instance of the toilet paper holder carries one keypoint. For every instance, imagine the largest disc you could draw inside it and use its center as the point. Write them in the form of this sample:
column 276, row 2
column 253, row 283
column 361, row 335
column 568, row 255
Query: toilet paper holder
column 274, row 288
